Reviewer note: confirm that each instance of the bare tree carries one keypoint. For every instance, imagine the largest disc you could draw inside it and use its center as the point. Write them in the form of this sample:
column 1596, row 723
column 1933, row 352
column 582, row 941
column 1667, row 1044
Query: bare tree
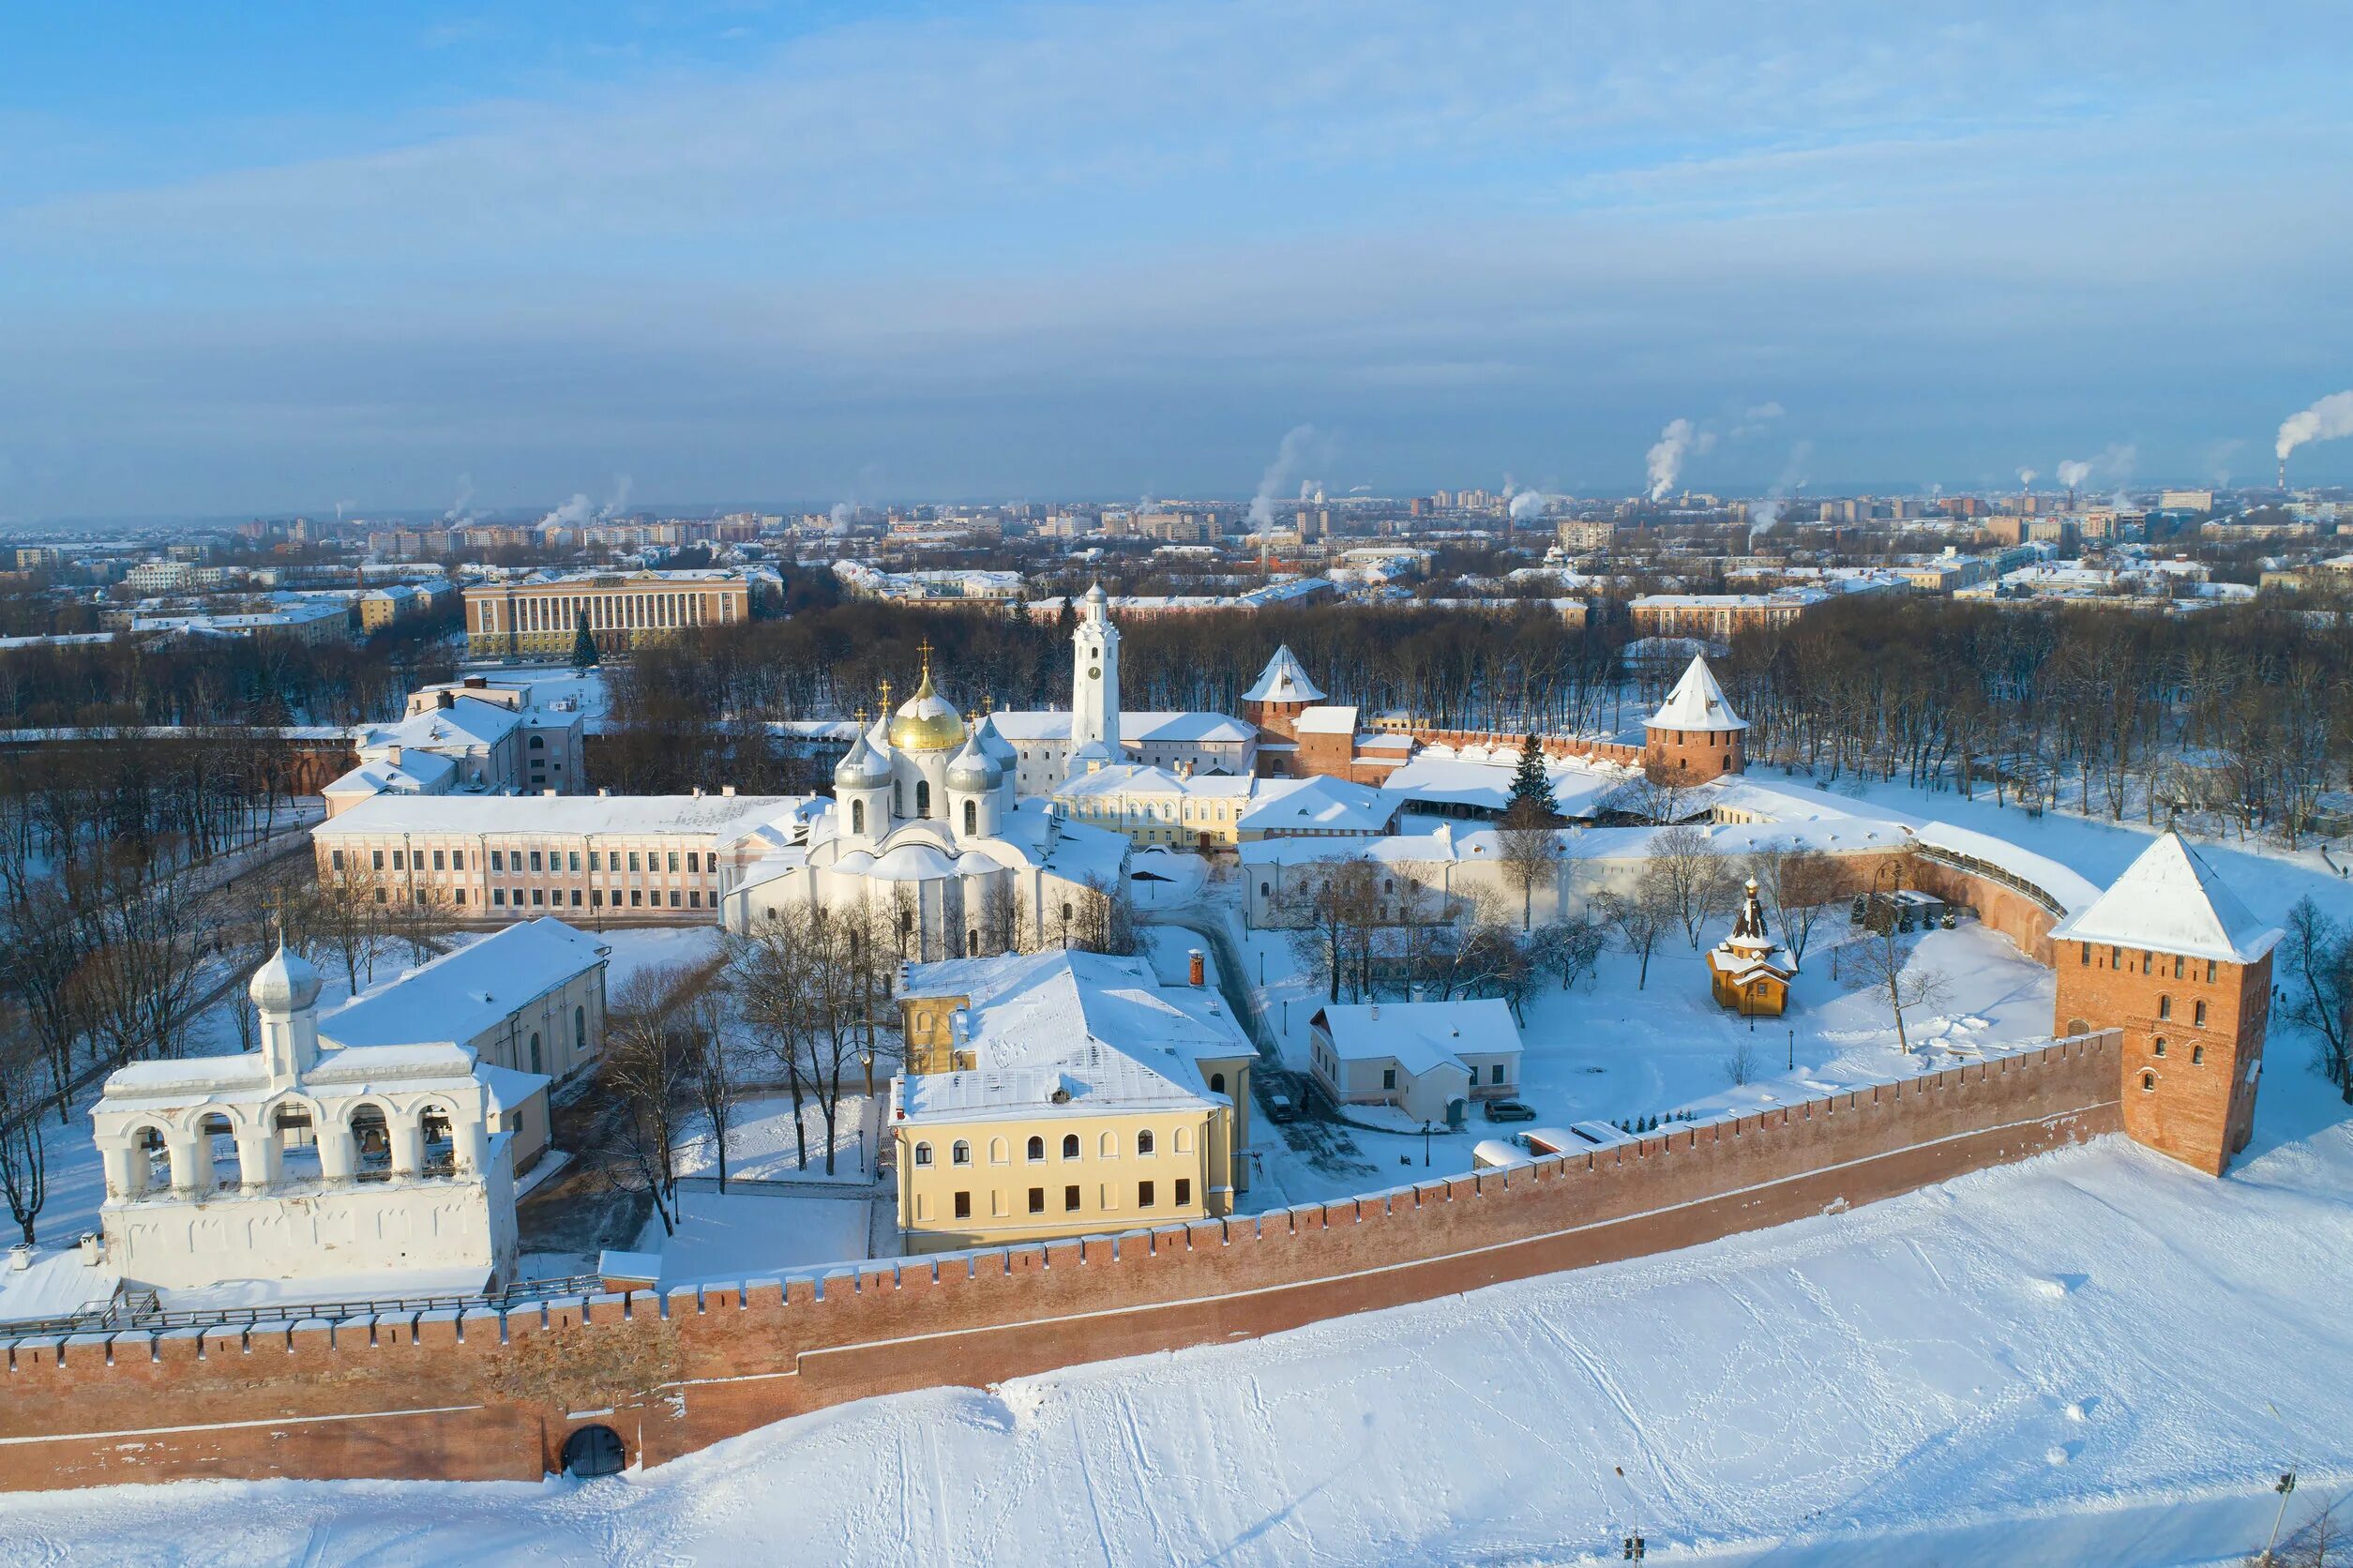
column 1527, row 848
column 649, row 1064
column 2318, row 955
column 2319, row 1541
column 713, row 1048
column 426, row 921
column 1740, row 1065
column 1568, row 948
column 1640, row 916
column 1701, row 885
column 1798, row 884
column 1324, row 904
column 24, row 1157
column 345, row 913
column 1881, row 961
column 769, row 970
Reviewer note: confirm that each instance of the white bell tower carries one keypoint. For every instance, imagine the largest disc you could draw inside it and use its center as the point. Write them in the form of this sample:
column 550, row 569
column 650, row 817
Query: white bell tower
column 1094, row 685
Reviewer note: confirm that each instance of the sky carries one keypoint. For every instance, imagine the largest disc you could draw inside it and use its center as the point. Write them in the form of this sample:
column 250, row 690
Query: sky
column 265, row 257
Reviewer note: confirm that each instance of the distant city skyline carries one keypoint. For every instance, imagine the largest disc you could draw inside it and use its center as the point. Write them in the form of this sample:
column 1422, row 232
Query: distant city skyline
column 262, row 262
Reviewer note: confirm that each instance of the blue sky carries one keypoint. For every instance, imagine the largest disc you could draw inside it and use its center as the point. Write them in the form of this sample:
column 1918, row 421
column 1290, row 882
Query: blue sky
column 268, row 257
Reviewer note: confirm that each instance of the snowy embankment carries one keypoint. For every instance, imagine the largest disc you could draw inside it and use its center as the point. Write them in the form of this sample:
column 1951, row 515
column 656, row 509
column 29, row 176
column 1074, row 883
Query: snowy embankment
column 2064, row 1362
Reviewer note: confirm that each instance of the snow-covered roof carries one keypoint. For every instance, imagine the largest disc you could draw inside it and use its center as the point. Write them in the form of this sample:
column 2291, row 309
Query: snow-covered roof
column 1284, row 680
column 1578, row 788
column 467, row 721
column 1040, row 724
column 1331, row 720
column 462, row 993
column 416, row 772
column 2170, row 900
column 724, row 817
column 1420, row 1035
column 1321, row 802
column 1098, row 1029
column 1137, row 779
column 1697, row 702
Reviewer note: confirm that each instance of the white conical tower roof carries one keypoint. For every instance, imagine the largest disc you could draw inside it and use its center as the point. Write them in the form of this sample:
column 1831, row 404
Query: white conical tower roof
column 2170, row 900
column 1284, row 680
column 1696, row 703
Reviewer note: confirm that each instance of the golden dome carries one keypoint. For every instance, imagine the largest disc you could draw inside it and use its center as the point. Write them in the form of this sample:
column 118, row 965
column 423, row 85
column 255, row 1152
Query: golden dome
column 927, row 721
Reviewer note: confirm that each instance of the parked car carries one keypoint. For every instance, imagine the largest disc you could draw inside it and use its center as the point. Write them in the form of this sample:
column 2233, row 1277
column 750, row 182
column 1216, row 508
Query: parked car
column 1281, row 1107
column 1510, row 1110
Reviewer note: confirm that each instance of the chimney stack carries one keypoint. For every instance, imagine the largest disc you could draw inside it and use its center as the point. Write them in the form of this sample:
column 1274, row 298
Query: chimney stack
column 1196, row 968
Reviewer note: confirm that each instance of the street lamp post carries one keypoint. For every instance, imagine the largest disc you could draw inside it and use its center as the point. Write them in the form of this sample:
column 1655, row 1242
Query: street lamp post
column 1793, row 1051
column 1426, row 1130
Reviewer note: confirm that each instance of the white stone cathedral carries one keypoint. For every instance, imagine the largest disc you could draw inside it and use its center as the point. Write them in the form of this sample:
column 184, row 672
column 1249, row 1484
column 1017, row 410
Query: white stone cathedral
column 924, row 822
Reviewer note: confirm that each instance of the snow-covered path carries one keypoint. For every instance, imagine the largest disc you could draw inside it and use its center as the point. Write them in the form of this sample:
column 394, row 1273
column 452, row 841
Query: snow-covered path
column 2064, row 1362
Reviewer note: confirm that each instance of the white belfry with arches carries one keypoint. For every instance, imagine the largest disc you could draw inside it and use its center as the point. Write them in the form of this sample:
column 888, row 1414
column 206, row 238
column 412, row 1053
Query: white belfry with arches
column 298, row 1162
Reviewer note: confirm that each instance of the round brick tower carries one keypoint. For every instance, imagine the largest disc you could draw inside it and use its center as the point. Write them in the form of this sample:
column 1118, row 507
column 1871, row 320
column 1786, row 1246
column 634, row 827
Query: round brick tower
column 1695, row 735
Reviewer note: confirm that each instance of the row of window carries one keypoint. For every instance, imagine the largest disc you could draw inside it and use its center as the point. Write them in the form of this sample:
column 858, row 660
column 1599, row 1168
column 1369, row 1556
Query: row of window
column 960, row 1152
column 1147, row 1197
column 553, row 860
column 540, row 899
column 2184, row 969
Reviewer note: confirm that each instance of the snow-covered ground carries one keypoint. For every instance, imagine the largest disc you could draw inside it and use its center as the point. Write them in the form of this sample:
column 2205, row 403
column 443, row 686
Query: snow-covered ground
column 748, row 1231
column 2065, row 1361
column 760, row 1142
column 2076, row 1359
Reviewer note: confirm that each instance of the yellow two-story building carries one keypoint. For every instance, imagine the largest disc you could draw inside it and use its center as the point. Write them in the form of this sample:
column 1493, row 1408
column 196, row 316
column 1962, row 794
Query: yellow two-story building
column 1063, row 1094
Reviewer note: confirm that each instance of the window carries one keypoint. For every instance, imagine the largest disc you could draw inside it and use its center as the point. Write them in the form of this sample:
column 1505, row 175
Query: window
column 1388, row 1078
column 539, row 742
column 1143, row 1142
column 2158, row 1048
column 972, row 817
column 637, row 897
column 572, row 859
column 2197, row 1015
column 576, row 898
column 1184, row 1191
column 538, row 896
column 2164, row 1006
column 596, row 899
column 963, row 1205
column 458, row 895
column 457, row 860
column 674, row 897
column 857, row 816
column 960, row 1153
column 694, row 860
column 1143, row 1194
column 694, row 900
column 2176, row 966
column 535, row 860
column 633, row 860
column 923, row 1153
column 1070, row 1200
column 673, row 860
column 534, row 1053
column 498, row 896
column 335, row 859
column 2210, row 972
column 1038, row 1200
column 923, row 798
column 2149, row 963
column 498, row 860
column 377, row 859
column 399, row 862
column 595, row 859
column 1495, row 1074
column 1036, row 1148
column 1070, row 1147
column 2198, row 1056
column 2085, row 948
column 579, row 1030
column 1218, row 1083
column 437, row 858
column 2148, row 1081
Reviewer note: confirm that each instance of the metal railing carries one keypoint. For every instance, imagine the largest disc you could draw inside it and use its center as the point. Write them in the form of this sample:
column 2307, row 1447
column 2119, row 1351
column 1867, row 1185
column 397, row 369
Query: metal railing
column 1972, row 865
column 140, row 1309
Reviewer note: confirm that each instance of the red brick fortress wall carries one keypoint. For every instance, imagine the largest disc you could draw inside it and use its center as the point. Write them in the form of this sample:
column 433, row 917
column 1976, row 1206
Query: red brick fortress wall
column 489, row 1395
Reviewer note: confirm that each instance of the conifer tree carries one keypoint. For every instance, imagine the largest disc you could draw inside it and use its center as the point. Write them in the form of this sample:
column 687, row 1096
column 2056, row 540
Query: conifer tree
column 1530, row 783
column 583, row 644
